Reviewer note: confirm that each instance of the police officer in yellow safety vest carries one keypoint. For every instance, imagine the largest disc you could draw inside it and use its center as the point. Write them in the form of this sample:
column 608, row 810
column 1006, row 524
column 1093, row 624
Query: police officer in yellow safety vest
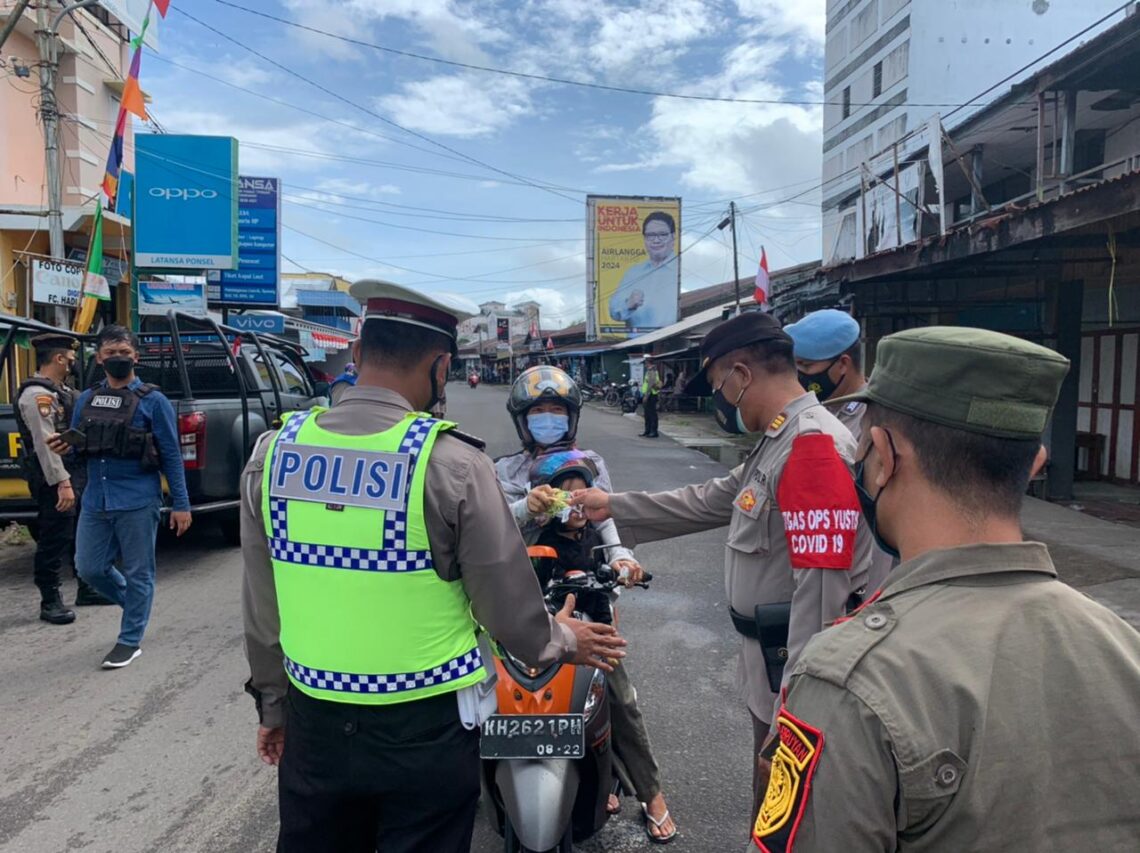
column 650, row 388
column 375, row 542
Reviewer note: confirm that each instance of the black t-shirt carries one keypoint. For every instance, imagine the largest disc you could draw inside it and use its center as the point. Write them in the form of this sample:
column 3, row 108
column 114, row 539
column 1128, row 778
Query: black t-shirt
column 573, row 554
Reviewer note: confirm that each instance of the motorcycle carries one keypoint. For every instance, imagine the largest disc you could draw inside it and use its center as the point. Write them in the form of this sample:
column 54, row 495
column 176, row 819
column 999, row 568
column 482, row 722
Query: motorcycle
column 548, row 766
column 473, row 380
column 631, row 398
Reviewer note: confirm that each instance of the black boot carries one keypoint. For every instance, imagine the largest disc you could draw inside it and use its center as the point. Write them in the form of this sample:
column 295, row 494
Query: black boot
column 53, row 611
column 88, row 597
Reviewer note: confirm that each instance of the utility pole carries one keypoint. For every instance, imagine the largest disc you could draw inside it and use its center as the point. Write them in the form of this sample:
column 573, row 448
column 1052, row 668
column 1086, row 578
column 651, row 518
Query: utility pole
column 727, row 221
column 49, row 114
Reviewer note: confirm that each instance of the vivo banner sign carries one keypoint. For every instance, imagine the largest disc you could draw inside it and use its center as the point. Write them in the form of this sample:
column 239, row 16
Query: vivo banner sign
column 254, row 282
column 266, row 324
column 186, row 202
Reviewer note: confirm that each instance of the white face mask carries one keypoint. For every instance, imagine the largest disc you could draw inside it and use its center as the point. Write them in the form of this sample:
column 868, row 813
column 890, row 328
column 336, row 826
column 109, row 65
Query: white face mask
column 547, row 427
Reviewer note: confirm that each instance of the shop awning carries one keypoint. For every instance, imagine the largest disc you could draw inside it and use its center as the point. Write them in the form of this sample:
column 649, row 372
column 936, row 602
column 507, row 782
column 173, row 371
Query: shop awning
column 677, row 353
column 581, row 352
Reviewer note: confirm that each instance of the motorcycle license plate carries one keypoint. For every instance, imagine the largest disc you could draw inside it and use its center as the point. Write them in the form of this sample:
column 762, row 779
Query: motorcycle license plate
column 533, row 736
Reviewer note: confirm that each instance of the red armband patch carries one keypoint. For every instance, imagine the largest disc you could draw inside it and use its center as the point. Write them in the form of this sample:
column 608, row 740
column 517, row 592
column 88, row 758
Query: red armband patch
column 789, row 784
column 817, row 500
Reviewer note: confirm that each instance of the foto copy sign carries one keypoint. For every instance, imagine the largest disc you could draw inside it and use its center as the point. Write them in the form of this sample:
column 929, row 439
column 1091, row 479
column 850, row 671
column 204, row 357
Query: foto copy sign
column 186, row 202
column 254, row 282
column 266, row 324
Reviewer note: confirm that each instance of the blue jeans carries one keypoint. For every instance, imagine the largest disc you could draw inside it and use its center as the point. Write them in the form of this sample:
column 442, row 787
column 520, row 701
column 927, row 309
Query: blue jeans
column 128, row 534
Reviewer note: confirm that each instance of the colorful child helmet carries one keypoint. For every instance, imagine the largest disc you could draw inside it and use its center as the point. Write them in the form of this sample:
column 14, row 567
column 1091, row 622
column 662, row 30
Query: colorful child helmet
column 550, row 469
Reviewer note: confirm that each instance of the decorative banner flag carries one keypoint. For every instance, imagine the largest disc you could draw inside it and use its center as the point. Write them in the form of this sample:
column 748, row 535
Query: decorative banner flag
column 132, row 102
column 762, row 281
column 550, row 343
column 95, row 286
column 163, row 6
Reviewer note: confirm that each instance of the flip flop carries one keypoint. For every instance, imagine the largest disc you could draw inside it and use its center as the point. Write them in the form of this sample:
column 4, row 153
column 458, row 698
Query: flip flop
column 657, row 839
column 612, row 811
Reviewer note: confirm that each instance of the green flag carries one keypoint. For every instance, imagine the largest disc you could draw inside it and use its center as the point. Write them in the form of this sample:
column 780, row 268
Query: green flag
column 94, row 283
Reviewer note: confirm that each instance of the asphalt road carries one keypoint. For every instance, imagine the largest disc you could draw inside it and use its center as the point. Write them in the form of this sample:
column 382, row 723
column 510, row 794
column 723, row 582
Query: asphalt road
column 159, row 756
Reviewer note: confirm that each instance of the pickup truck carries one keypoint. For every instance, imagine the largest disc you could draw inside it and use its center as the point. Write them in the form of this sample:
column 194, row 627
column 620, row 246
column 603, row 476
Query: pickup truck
column 227, row 388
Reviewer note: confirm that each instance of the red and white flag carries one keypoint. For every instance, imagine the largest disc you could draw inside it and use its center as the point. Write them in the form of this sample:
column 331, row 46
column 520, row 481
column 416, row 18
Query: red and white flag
column 762, row 283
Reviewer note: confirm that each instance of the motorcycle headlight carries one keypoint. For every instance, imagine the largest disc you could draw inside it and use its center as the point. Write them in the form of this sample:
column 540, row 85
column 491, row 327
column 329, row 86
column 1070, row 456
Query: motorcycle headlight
column 595, row 694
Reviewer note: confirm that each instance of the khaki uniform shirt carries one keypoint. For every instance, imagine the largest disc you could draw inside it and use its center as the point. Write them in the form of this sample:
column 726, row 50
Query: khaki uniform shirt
column 979, row 704
column 43, row 412
column 473, row 537
column 851, row 416
column 757, row 566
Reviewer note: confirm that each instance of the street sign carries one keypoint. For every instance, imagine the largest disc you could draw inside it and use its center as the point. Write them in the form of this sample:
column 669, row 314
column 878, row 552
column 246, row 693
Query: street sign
column 266, row 324
column 186, row 202
column 254, row 282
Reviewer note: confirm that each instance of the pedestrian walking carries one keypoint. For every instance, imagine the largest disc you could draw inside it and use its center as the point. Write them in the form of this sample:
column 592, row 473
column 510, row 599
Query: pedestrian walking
column 978, row 703
column 375, row 542
column 830, row 365
column 342, row 383
column 796, row 550
column 44, row 404
column 650, row 388
column 829, row 361
column 129, row 435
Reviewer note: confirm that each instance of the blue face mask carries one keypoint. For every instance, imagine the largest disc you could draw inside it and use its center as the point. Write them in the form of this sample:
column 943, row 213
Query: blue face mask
column 547, row 427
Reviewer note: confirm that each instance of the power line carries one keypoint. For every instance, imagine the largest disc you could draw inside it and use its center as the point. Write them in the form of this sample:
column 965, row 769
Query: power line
column 375, row 114
column 545, row 78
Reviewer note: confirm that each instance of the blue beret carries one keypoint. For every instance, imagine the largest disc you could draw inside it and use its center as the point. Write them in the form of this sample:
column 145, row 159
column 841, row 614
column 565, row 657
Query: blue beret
column 824, row 335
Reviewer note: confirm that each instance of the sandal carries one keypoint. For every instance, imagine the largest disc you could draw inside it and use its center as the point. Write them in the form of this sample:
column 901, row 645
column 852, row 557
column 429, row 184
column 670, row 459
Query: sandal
column 650, row 819
column 613, row 805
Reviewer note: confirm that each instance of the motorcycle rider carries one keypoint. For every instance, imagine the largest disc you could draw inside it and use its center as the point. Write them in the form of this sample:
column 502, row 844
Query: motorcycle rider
column 342, row 383
column 545, row 405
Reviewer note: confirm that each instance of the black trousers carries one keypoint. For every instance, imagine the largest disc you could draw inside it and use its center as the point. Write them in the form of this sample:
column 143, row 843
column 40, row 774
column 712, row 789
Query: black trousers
column 395, row 779
column 55, row 541
column 649, row 406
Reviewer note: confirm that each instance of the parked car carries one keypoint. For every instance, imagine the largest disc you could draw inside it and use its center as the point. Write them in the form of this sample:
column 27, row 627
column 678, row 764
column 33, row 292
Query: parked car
column 227, row 388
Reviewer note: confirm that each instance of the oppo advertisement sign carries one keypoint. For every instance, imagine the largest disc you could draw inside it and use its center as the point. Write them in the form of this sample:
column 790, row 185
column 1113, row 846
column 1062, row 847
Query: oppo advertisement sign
column 186, row 202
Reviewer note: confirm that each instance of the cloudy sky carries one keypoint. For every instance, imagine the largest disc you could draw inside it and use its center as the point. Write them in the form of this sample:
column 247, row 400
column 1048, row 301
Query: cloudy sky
column 471, row 182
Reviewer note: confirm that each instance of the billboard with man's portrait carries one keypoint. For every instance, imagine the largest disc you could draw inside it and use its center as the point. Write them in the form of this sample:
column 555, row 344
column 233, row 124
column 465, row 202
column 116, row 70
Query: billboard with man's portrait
column 634, row 265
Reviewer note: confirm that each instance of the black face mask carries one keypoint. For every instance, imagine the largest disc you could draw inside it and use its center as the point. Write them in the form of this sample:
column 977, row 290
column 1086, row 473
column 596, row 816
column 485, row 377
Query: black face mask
column 118, row 367
column 436, row 391
column 728, row 414
column 821, row 384
column 869, row 505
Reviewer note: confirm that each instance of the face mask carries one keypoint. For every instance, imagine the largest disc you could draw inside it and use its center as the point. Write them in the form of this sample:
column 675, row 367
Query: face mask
column 728, row 414
column 820, row 384
column 547, row 427
column 118, row 367
column 869, row 505
column 435, row 391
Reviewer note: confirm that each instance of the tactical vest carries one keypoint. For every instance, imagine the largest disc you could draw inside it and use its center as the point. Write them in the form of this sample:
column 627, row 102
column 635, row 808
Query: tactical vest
column 105, row 420
column 29, row 464
column 365, row 618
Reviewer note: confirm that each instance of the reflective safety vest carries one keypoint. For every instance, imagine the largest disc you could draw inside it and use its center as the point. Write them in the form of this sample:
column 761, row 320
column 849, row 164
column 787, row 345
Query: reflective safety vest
column 365, row 619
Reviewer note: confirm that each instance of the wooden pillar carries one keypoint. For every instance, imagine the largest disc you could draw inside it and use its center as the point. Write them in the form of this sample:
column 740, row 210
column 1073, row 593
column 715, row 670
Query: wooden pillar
column 1063, row 453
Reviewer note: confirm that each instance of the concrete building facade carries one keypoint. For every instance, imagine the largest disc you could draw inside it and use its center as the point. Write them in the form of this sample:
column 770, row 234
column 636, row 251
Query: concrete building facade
column 892, row 64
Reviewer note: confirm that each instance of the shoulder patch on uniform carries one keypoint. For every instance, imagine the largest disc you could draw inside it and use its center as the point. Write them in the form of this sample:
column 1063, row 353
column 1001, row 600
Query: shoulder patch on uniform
column 44, row 403
column 473, row 440
column 799, row 746
column 852, row 407
column 820, row 509
column 777, row 423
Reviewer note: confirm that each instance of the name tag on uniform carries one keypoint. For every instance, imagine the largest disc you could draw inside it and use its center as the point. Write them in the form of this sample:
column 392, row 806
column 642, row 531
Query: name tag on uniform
column 331, row 475
column 107, row 401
